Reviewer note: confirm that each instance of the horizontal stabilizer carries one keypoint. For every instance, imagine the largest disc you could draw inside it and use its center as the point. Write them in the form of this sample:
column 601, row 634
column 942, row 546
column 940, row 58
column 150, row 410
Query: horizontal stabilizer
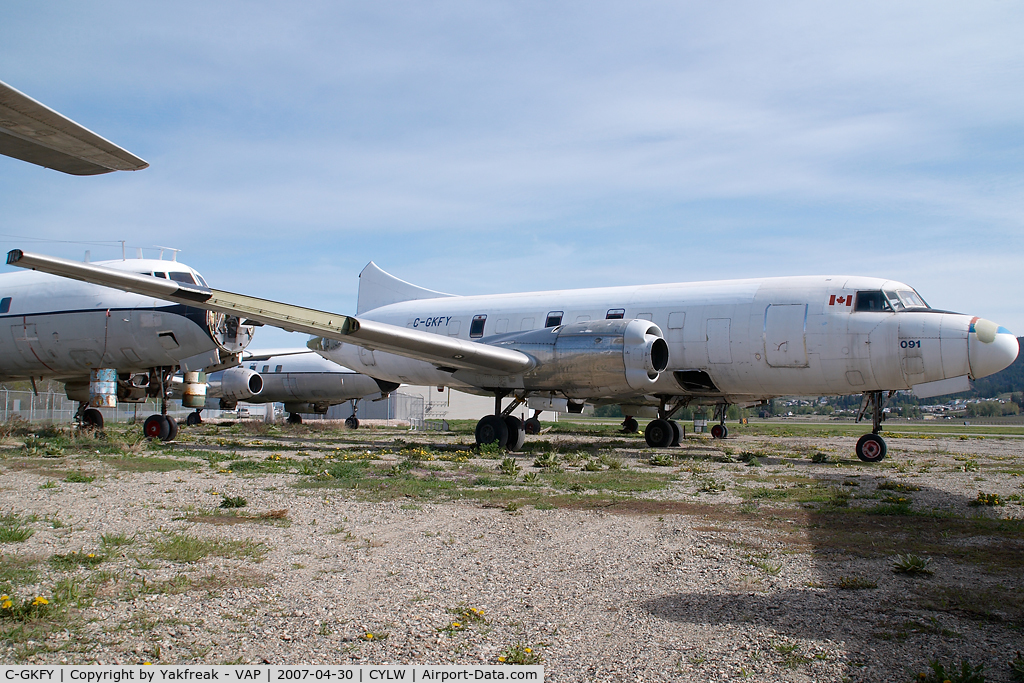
column 379, row 288
column 32, row 132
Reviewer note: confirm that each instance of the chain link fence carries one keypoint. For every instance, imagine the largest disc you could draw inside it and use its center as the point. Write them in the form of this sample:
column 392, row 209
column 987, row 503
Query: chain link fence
column 55, row 408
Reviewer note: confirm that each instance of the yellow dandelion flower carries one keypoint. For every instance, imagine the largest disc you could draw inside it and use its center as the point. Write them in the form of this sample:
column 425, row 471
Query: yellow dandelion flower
column 527, row 650
column 369, row 636
column 456, row 624
column 91, row 555
column 7, row 604
column 40, row 600
column 501, row 659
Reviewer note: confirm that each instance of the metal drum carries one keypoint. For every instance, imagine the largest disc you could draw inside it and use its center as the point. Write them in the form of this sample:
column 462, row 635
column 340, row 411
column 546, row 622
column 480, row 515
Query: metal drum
column 103, row 388
column 193, row 393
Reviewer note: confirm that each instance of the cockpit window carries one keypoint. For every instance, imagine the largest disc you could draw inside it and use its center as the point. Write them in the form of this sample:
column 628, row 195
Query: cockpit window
column 872, row 301
column 911, row 299
column 158, row 274
column 201, row 280
column 183, row 277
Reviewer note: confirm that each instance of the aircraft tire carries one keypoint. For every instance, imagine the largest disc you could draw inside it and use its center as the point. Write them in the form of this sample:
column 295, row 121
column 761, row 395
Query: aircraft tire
column 172, row 428
column 532, row 425
column 516, row 433
column 352, row 422
column 491, row 429
column 92, row 418
column 630, row 426
column 659, row 433
column 719, row 431
column 194, row 418
column 156, row 427
column 871, row 448
column 677, row 433
column 294, row 419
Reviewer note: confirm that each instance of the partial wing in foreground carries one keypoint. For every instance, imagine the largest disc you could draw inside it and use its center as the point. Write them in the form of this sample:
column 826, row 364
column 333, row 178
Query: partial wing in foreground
column 433, row 348
column 32, row 132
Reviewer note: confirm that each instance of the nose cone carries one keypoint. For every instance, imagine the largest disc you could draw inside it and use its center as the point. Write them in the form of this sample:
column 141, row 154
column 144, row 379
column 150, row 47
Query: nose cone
column 990, row 348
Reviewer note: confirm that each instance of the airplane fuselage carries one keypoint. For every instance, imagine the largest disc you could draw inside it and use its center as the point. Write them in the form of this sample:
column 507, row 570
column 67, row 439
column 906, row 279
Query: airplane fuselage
column 732, row 341
column 61, row 329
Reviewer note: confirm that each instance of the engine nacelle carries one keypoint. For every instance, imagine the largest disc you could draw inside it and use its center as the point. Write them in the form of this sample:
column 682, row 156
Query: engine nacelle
column 594, row 359
column 240, row 384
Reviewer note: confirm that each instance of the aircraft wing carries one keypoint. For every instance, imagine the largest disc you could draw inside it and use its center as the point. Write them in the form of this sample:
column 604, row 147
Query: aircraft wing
column 32, row 132
column 443, row 351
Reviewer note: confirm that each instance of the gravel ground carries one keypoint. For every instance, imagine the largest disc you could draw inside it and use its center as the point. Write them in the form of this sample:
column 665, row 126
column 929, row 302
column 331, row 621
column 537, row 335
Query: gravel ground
column 770, row 570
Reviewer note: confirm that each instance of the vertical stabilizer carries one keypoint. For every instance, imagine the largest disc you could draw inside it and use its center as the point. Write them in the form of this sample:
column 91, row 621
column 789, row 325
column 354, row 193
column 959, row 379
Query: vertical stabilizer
column 378, row 288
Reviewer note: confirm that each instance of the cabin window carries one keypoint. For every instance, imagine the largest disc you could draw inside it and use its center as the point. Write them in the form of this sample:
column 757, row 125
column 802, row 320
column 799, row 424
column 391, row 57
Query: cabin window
column 583, row 318
column 266, row 368
column 253, row 367
column 5, row 304
column 615, row 314
column 554, row 319
column 278, row 368
column 476, row 328
column 183, row 277
column 872, row 301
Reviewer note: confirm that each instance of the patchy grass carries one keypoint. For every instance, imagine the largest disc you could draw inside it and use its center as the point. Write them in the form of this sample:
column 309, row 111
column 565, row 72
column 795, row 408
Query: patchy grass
column 183, row 548
column 14, row 528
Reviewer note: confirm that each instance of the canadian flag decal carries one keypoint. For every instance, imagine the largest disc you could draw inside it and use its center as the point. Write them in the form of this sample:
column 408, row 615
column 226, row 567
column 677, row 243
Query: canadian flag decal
column 840, row 300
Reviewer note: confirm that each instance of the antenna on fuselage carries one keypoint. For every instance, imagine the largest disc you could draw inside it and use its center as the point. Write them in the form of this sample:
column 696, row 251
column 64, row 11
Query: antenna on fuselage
column 174, row 252
column 123, row 256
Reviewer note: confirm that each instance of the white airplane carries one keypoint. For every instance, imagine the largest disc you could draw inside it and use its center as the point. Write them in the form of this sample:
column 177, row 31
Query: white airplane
column 649, row 348
column 107, row 345
column 304, row 381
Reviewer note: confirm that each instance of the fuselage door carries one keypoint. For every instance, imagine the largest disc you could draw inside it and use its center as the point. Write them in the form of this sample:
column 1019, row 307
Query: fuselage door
column 785, row 340
column 719, row 340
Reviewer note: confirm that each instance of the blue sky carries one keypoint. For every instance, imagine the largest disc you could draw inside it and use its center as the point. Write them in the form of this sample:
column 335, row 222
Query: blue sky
column 477, row 147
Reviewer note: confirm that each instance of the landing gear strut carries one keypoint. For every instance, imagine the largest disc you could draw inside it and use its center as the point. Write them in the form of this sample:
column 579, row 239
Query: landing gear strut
column 720, row 431
column 532, row 424
column 871, row 447
column 502, row 428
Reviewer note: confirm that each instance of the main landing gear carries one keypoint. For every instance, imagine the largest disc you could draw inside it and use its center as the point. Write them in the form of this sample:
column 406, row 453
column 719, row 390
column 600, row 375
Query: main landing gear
column 162, row 426
column 89, row 418
column 194, row 418
column 502, row 428
column 871, row 447
column 663, row 431
column 630, row 425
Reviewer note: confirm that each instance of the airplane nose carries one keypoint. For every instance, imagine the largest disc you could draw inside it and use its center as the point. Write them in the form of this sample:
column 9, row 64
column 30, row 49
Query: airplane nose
column 990, row 348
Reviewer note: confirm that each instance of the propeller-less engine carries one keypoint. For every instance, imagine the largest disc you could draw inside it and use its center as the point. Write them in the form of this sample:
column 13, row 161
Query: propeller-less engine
column 240, row 384
column 592, row 359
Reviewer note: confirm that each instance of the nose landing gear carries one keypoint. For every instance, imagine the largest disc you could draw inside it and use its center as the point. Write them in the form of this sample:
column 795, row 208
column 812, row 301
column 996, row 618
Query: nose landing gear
column 871, row 447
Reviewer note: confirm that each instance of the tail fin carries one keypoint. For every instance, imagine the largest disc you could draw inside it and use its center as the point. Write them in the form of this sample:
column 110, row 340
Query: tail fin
column 378, row 288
